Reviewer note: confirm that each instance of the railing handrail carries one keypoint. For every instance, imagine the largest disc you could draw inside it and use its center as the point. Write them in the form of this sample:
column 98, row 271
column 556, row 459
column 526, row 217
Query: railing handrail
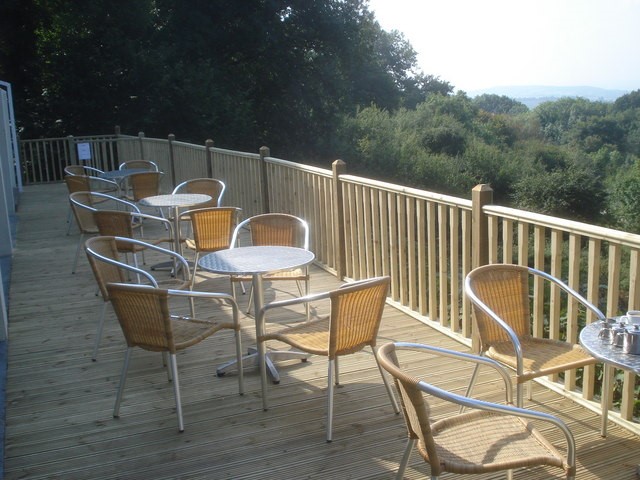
column 426, row 242
column 414, row 192
column 570, row 226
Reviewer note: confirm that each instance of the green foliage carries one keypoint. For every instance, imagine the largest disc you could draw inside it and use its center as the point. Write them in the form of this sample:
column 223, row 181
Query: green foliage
column 499, row 104
column 273, row 72
column 624, row 199
column 572, row 192
column 315, row 81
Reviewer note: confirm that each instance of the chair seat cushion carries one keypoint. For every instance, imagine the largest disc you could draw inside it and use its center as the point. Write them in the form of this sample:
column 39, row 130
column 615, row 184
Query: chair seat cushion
column 311, row 336
column 187, row 332
column 541, row 356
column 480, row 441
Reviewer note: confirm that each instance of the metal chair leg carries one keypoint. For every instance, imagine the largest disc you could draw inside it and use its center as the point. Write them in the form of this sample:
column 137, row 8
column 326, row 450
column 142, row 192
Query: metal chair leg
column 472, row 381
column 392, row 397
column 405, row 458
column 173, row 364
column 123, row 378
column 330, row 389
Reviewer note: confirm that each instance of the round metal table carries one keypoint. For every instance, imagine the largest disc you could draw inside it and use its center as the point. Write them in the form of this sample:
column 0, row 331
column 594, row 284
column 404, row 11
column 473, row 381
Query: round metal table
column 612, row 356
column 257, row 261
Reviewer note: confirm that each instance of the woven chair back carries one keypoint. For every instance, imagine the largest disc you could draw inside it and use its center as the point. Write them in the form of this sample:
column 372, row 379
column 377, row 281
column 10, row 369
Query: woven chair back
column 505, row 290
column 74, row 170
column 415, row 408
column 208, row 186
column 143, row 314
column 104, row 272
column 142, row 164
column 77, row 183
column 146, row 184
column 116, row 224
column 278, row 229
column 84, row 216
column 213, row 227
column 356, row 312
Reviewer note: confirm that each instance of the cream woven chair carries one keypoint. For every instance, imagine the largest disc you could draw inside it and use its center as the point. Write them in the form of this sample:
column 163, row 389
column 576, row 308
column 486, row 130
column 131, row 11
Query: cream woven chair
column 85, row 183
column 489, row 438
column 208, row 186
column 502, row 315
column 356, row 312
column 124, row 224
column 83, row 205
column 212, row 231
column 105, row 215
column 279, row 229
column 82, row 170
column 142, row 185
column 103, row 253
column 144, row 315
column 139, row 164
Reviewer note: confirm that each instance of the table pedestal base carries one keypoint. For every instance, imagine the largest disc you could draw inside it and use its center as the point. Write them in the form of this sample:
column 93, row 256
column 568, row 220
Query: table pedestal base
column 252, row 359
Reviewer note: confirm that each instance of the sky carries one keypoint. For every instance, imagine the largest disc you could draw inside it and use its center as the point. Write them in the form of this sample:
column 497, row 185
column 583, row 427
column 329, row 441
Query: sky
column 478, row 44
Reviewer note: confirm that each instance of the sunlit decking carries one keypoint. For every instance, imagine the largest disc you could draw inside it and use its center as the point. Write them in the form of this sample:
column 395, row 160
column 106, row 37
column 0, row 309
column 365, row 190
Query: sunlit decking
column 59, row 402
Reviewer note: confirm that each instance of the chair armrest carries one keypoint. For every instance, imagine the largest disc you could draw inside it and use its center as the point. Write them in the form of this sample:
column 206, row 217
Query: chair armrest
column 466, row 357
column 142, row 216
column 95, row 172
column 571, row 292
column 210, row 295
column 179, row 258
column 125, row 266
column 295, row 301
column 104, row 181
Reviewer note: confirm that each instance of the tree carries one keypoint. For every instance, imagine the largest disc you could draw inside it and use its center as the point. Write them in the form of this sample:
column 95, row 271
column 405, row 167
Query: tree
column 499, row 104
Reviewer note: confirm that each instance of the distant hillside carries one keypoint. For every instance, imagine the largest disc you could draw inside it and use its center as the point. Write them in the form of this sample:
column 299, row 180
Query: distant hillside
column 534, row 95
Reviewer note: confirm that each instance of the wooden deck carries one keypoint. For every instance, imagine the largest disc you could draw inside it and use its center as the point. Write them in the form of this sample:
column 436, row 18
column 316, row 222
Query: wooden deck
column 59, row 403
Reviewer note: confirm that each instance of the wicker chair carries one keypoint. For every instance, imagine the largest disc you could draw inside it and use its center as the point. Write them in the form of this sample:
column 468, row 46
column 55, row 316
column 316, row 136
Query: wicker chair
column 142, row 185
column 499, row 295
column 103, row 253
column 139, row 164
column 144, row 315
column 105, row 215
column 489, row 438
column 356, row 312
column 212, row 231
column 275, row 229
column 85, row 183
column 118, row 223
column 208, row 186
column 83, row 205
column 82, row 170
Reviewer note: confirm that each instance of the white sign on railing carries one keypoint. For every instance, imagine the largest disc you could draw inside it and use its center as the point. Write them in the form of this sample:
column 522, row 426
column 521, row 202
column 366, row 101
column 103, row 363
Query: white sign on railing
column 84, row 151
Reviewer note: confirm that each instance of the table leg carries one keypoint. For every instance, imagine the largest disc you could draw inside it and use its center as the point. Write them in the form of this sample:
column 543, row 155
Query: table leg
column 606, row 395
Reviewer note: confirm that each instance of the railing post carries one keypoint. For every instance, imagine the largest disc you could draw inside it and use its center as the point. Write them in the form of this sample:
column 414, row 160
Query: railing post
column 264, row 153
column 73, row 155
column 117, row 154
column 481, row 195
column 141, row 139
column 339, row 168
column 172, row 167
column 208, row 145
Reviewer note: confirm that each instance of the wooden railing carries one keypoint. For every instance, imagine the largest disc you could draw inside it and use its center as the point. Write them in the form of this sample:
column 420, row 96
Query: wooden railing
column 425, row 241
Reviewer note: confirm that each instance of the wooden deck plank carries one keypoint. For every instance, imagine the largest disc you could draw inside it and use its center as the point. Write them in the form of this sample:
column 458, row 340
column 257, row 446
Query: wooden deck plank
column 59, row 402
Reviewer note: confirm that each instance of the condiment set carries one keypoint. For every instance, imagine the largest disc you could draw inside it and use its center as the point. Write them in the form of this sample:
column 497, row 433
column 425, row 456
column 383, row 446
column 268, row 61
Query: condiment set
column 619, row 336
